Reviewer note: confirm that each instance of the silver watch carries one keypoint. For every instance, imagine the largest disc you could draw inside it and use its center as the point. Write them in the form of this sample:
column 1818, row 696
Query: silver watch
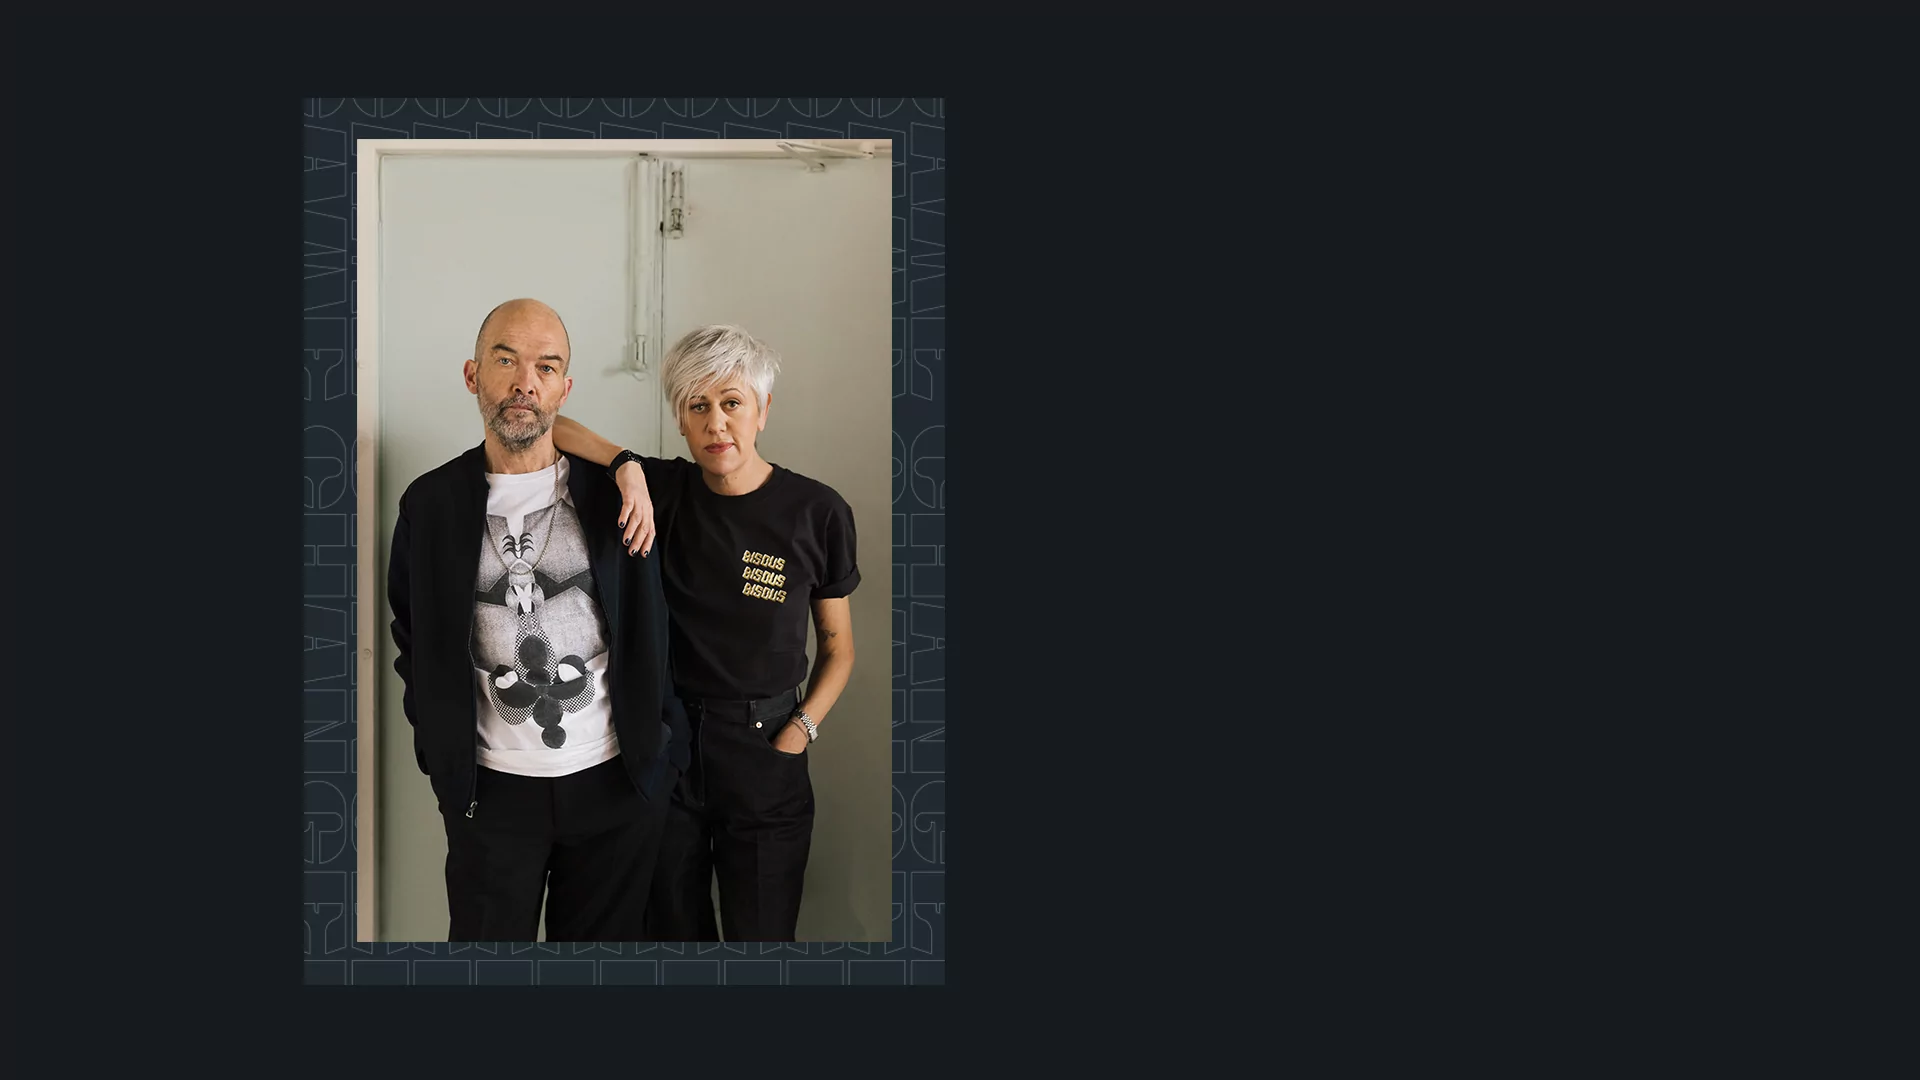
column 806, row 724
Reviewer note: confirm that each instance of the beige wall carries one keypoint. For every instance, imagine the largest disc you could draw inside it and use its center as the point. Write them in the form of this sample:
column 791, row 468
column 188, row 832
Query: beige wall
column 804, row 261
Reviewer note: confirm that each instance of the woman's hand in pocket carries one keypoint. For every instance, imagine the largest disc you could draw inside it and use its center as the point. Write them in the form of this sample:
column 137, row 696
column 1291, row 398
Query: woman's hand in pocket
column 792, row 739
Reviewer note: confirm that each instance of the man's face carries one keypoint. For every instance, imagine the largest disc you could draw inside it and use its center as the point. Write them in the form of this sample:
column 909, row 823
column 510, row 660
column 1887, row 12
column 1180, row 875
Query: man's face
column 519, row 375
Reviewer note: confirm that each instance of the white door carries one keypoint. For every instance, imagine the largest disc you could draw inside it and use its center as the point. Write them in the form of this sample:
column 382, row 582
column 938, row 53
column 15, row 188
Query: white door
column 803, row 260
column 458, row 235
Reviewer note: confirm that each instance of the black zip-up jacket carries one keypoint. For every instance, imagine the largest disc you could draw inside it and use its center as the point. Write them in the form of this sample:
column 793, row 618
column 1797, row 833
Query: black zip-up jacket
column 431, row 578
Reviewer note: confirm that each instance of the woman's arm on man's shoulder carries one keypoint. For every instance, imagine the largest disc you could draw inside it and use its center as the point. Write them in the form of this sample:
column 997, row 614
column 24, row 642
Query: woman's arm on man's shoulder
column 636, row 503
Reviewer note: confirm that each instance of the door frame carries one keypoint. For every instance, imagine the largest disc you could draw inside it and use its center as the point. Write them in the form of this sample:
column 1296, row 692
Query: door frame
column 371, row 602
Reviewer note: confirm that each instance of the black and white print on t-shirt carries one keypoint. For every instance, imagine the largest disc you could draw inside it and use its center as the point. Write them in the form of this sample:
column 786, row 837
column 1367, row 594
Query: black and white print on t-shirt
column 537, row 624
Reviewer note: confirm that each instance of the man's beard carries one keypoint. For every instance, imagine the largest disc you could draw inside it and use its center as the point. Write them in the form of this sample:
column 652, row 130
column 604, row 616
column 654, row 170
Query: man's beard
column 519, row 431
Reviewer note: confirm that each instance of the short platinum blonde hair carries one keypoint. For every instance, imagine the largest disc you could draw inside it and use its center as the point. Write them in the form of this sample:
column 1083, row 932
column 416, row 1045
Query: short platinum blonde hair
column 713, row 353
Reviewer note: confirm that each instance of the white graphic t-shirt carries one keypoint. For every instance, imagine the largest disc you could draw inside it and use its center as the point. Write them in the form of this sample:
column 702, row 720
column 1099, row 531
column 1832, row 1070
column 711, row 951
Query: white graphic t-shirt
column 539, row 637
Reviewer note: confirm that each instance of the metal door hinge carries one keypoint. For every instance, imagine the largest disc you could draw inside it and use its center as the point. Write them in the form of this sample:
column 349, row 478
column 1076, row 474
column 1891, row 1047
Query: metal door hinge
column 635, row 362
column 676, row 202
column 812, row 155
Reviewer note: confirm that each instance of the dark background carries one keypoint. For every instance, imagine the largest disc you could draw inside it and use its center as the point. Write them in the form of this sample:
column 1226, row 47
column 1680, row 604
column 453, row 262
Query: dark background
column 1427, row 516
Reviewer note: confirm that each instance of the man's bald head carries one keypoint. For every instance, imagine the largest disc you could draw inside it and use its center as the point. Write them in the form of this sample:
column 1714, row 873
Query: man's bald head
column 526, row 314
column 518, row 374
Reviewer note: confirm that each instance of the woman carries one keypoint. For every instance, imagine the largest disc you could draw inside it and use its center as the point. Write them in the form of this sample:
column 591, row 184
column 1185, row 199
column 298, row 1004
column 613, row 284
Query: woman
column 749, row 550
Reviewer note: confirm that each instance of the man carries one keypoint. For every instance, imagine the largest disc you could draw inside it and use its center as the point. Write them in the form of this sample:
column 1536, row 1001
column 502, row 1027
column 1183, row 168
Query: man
column 534, row 658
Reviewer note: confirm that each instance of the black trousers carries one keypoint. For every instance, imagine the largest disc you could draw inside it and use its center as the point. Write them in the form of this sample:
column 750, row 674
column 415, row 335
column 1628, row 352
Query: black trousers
column 742, row 815
column 585, row 844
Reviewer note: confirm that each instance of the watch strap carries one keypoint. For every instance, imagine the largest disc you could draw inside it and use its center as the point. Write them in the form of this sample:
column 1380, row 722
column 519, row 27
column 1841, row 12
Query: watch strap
column 620, row 459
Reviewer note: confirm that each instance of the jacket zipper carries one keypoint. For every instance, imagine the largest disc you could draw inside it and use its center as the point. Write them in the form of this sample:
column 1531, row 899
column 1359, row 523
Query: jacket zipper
column 473, row 705
column 473, row 719
column 608, row 612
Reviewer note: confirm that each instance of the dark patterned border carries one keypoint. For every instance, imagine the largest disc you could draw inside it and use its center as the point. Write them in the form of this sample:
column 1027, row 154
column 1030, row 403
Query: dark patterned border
column 917, row 953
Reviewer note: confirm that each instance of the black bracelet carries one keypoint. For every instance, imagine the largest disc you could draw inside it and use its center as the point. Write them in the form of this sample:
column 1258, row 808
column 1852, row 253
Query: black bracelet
column 622, row 458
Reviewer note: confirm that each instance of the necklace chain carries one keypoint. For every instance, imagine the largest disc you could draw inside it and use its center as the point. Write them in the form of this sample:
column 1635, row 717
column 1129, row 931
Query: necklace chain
column 555, row 512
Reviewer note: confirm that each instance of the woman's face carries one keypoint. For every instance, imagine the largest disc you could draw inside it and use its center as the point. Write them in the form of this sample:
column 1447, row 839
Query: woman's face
column 721, row 421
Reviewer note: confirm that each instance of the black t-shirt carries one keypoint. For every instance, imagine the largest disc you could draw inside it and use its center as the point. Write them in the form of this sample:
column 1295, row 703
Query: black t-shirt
column 742, row 572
